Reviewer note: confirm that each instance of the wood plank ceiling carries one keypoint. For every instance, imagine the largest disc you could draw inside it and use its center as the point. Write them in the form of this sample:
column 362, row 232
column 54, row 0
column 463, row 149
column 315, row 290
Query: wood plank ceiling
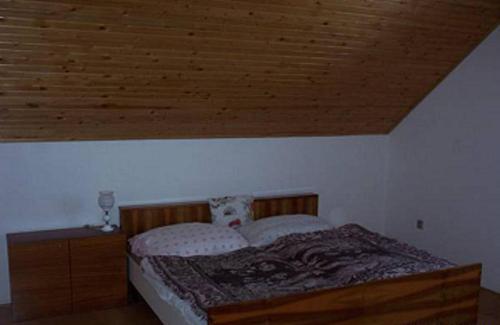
column 123, row 69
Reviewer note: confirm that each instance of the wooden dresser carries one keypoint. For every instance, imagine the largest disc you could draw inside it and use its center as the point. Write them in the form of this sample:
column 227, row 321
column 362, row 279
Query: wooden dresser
column 67, row 270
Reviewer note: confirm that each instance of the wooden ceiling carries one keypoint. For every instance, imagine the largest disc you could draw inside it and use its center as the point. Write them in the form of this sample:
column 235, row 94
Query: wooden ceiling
column 124, row 69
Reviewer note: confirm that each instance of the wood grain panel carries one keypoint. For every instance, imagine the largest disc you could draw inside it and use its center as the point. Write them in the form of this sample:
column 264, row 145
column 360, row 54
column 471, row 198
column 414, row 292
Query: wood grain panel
column 121, row 69
column 40, row 279
column 59, row 271
column 137, row 219
column 444, row 297
column 98, row 272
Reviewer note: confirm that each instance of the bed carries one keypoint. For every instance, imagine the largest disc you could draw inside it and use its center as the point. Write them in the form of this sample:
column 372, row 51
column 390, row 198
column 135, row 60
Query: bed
column 447, row 296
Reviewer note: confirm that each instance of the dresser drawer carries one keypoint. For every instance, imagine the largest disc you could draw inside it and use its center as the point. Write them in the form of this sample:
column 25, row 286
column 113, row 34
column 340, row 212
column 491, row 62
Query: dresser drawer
column 98, row 272
column 40, row 279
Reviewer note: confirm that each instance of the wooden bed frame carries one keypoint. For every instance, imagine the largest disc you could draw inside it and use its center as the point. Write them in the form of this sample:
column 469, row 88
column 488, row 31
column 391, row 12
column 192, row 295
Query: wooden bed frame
column 442, row 297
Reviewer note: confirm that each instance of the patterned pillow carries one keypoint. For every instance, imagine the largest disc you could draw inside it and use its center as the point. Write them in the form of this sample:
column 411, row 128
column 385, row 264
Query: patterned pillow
column 232, row 211
column 187, row 239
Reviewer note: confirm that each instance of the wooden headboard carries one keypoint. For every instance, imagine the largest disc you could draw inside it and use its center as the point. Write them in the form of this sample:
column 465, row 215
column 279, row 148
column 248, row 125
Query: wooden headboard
column 140, row 218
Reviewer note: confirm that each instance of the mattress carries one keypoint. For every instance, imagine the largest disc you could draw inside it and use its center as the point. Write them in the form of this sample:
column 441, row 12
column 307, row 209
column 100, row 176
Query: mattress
column 293, row 264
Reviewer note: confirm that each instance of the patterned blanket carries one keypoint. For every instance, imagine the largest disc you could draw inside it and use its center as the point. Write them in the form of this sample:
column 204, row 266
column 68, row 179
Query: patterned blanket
column 292, row 264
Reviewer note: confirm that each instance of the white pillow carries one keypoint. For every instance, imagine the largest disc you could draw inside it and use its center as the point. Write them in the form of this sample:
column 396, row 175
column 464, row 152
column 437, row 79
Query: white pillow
column 187, row 239
column 232, row 211
column 265, row 231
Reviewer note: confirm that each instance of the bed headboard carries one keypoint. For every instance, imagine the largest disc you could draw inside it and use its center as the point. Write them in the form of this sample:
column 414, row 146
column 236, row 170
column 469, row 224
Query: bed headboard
column 140, row 218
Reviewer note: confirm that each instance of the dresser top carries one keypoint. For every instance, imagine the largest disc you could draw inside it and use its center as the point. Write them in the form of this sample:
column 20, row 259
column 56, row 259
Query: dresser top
column 68, row 233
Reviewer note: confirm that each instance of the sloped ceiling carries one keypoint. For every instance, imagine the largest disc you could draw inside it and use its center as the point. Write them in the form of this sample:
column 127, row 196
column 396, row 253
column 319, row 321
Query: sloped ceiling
column 122, row 69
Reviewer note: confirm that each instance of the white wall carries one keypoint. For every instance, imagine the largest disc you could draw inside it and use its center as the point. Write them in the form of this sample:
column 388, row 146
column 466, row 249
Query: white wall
column 55, row 185
column 444, row 166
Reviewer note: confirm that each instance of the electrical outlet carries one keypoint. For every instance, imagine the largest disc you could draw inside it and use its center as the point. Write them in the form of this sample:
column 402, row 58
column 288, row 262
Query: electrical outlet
column 420, row 224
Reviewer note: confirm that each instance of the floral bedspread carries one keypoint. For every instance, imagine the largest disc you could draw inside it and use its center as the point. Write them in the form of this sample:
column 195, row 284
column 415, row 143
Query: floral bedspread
column 293, row 264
